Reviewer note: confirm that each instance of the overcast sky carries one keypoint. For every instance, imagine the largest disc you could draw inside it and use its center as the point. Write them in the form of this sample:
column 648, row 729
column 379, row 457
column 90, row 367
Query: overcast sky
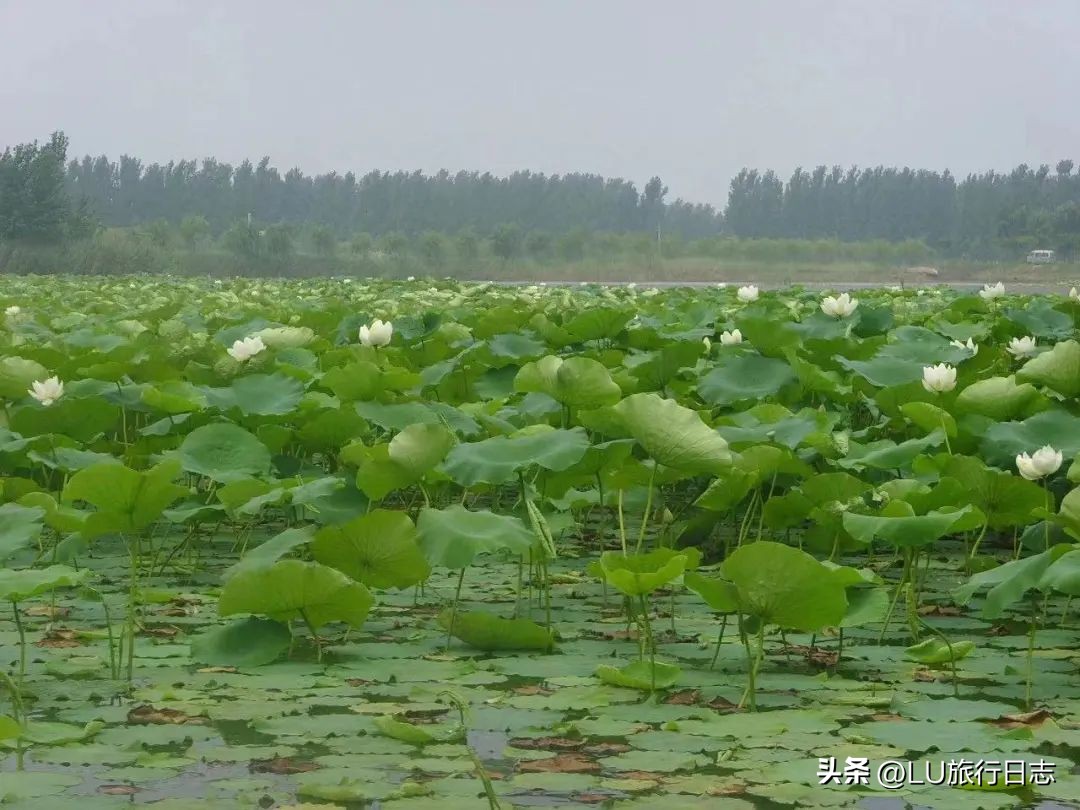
column 691, row 91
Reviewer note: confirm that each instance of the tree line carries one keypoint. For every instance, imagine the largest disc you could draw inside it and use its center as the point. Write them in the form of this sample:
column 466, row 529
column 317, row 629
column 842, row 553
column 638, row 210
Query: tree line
column 253, row 209
column 988, row 215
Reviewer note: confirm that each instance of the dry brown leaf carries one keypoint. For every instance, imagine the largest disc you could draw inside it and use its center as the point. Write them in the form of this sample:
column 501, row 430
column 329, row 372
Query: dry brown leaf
column 562, row 763
column 147, row 715
column 282, row 766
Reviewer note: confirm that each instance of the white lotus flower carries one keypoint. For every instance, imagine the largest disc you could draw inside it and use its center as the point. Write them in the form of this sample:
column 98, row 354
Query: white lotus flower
column 1021, row 347
column 13, row 310
column 378, row 334
column 839, row 307
column 971, row 346
column 46, row 392
column 410, row 278
column 1074, row 294
column 731, row 338
column 938, row 379
column 1043, row 462
column 748, row 293
column 707, row 344
column 991, row 291
column 721, row 285
column 244, row 350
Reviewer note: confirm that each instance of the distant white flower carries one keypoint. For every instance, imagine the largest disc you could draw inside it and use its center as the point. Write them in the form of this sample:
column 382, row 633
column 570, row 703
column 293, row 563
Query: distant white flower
column 971, row 346
column 583, row 283
column 244, row 350
column 1021, row 347
column 730, row 338
column 991, row 291
column 938, row 379
column 543, row 283
column 895, row 288
column 632, row 285
column 410, row 278
column 13, row 310
column 378, row 334
column 1074, row 294
column 721, row 285
column 1043, row 462
column 707, row 343
column 747, row 294
column 46, row 392
column 839, row 307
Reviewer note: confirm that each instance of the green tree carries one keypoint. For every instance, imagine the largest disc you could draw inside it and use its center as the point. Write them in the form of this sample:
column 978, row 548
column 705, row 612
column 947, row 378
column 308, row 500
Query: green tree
column 34, row 205
column 279, row 241
column 193, row 229
column 432, row 248
column 361, row 244
column 507, row 241
column 467, row 246
column 323, row 241
column 159, row 232
column 241, row 240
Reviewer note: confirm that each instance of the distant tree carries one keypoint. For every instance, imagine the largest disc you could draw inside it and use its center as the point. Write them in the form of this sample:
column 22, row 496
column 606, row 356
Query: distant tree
column 467, row 246
column 395, row 244
column 159, row 232
column 193, row 229
column 241, row 240
column 572, row 246
column 506, row 241
column 538, row 244
column 1064, row 168
column 279, row 240
column 432, row 248
column 323, row 241
column 34, row 205
column 361, row 244
column 652, row 204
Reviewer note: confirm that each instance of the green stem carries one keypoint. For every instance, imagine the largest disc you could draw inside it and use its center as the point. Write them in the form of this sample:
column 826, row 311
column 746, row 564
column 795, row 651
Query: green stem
column 719, row 640
column 896, row 594
column 649, row 642
column 22, row 643
column 648, row 509
column 454, row 607
column 975, row 547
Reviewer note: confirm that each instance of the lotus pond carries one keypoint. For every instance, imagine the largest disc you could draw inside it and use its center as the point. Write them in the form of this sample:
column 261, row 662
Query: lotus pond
column 531, row 547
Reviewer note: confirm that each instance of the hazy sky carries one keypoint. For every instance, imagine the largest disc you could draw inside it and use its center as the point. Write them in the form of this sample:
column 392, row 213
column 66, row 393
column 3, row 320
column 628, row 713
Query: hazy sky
column 691, row 91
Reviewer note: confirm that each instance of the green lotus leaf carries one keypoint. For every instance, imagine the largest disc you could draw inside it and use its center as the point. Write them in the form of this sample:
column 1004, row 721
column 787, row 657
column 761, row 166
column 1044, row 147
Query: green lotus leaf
column 578, row 382
column 19, row 527
column 500, row 458
column 258, row 394
column 18, row 585
column 454, row 536
column 224, row 452
column 673, row 435
column 997, row 398
column 125, row 499
column 784, row 586
column 744, row 377
column 897, row 525
column 642, row 675
column 1058, row 369
column 640, row 574
column 936, row 651
column 247, row 642
column 16, row 375
column 292, row 589
column 491, row 633
column 378, row 549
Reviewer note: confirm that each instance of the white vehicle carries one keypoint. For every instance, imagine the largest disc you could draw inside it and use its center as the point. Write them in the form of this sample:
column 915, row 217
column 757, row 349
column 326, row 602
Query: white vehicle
column 1041, row 257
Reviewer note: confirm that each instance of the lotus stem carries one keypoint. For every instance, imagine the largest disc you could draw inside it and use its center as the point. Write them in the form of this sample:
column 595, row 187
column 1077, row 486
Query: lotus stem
column 648, row 509
column 719, row 640
column 454, row 607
